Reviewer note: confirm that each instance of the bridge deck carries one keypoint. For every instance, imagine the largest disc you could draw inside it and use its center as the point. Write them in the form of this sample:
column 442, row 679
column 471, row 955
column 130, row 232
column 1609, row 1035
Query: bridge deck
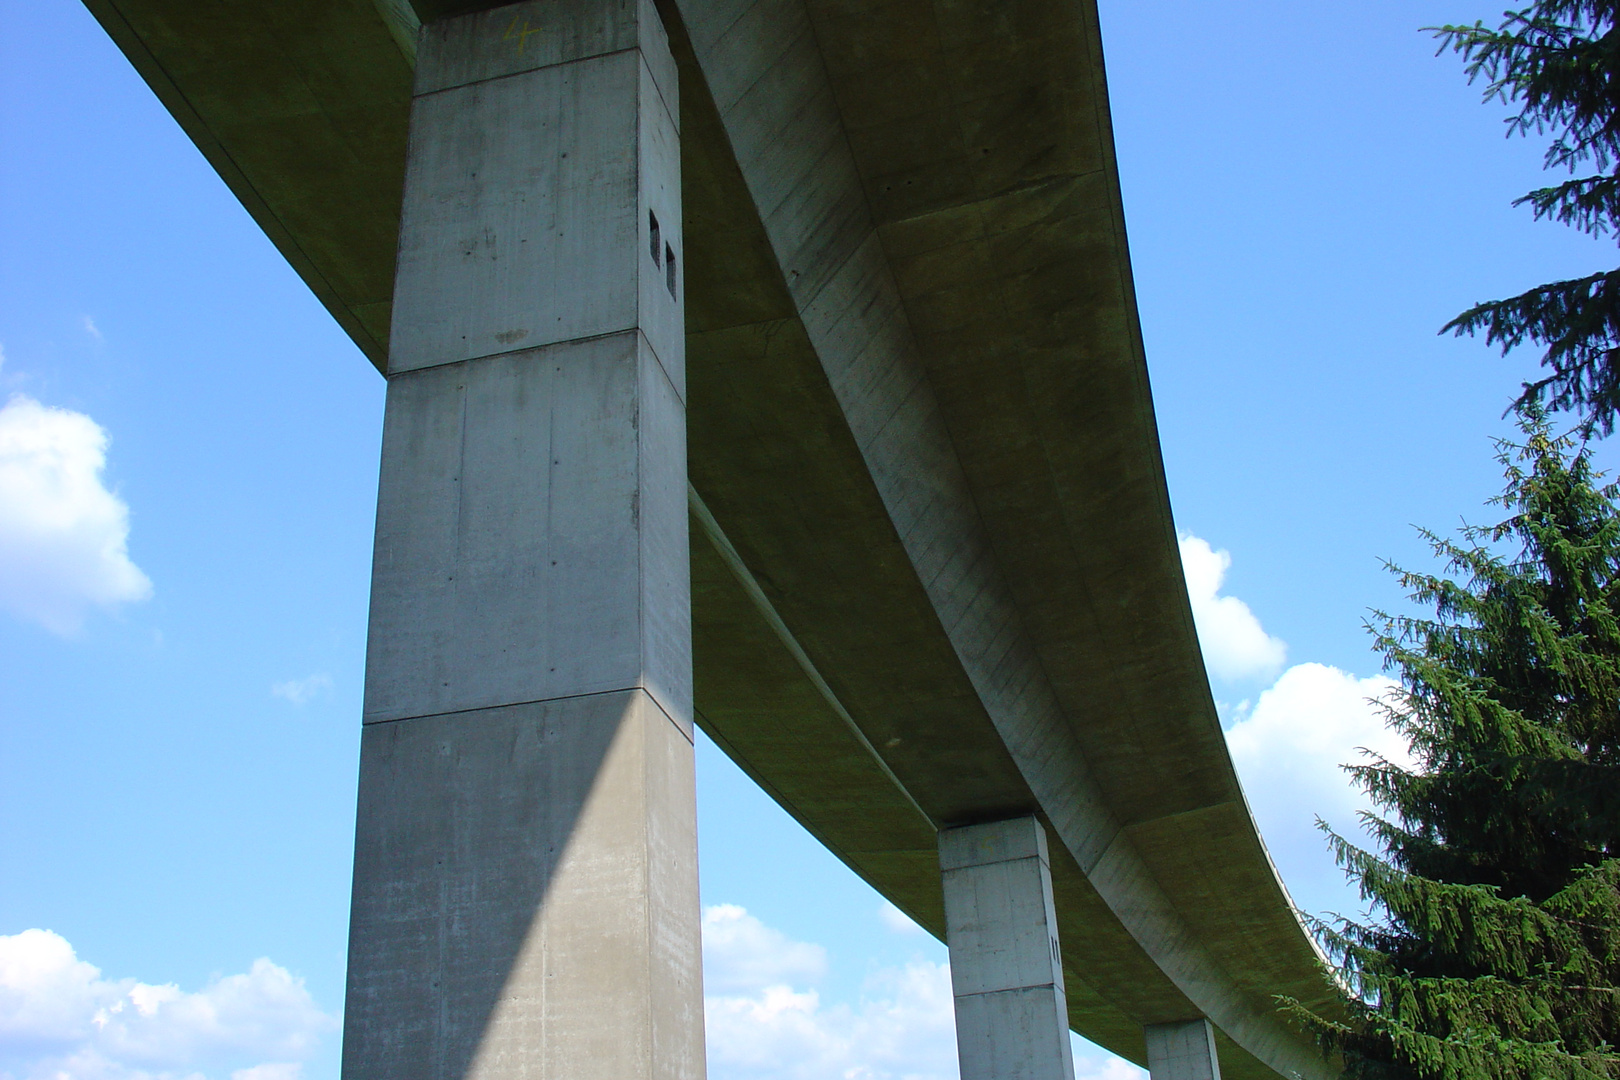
column 940, row 582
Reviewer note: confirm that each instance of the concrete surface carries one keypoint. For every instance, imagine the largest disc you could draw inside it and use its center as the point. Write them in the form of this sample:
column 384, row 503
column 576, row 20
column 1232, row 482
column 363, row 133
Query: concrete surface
column 953, row 473
column 1184, row 1050
column 935, row 580
column 531, row 533
column 1012, row 1022
column 525, row 897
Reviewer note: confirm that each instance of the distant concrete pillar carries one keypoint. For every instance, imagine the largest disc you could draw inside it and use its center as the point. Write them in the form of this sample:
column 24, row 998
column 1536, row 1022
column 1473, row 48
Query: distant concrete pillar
column 1012, row 1022
column 525, row 890
column 1183, row 1050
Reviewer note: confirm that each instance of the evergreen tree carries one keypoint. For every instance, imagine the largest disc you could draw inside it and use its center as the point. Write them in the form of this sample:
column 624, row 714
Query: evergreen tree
column 1494, row 949
column 1557, row 63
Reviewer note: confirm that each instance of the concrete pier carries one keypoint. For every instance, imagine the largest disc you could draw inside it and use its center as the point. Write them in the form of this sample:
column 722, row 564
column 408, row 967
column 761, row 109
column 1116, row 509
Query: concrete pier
column 525, row 891
column 1012, row 1021
column 1183, row 1050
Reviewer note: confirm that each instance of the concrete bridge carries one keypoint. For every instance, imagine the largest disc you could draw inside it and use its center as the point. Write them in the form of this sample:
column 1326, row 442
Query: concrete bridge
column 773, row 366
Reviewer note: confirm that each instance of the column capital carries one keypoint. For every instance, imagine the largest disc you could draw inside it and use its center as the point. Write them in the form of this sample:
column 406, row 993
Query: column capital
column 1182, row 1050
column 991, row 842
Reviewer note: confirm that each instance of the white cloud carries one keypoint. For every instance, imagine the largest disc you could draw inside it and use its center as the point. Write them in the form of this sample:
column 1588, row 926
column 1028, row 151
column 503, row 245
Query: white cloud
column 902, row 1028
column 1290, row 747
column 1288, row 751
column 1091, row 1062
column 897, row 920
column 61, row 1020
column 765, row 1023
column 302, row 691
column 1234, row 644
column 63, row 535
column 278, row 1070
column 764, row 1020
column 742, row 953
column 93, row 330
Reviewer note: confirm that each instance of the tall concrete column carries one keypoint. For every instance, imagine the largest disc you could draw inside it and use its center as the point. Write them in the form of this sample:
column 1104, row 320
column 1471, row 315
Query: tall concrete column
column 1012, row 1022
column 525, row 890
column 1183, row 1050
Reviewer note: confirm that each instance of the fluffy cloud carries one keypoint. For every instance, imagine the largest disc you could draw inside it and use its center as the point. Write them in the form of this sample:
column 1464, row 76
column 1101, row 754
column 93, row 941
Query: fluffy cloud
column 1291, row 743
column 302, row 691
column 742, row 953
column 1234, row 645
column 766, row 1019
column 1093, row 1063
column 60, row 1020
column 278, row 1070
column 902, row 1028
column 1290, row 748
column 897, row 920
column 63, row 535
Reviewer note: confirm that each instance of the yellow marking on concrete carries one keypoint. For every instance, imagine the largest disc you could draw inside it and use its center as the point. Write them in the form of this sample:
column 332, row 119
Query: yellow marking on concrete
column 520, row 35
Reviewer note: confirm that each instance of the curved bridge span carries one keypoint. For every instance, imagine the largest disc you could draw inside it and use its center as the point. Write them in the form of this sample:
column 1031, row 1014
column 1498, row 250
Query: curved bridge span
column 874, row 286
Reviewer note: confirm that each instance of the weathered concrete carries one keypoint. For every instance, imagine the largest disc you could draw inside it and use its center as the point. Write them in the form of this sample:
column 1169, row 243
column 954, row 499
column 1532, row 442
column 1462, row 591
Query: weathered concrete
column 525, row 899
column 780, row 96
column 525, row 896
column 1182, row 1050
column 1012, row 1021
column 935, row 574
column 531, row 534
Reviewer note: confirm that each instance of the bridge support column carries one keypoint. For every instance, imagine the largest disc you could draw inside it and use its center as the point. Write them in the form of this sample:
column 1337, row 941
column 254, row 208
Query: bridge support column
column 525, row 890
column 1183, row 1050
column 1012, row 1022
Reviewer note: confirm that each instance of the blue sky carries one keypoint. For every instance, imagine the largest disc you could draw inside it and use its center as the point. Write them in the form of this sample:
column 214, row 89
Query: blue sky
column 1310, row 194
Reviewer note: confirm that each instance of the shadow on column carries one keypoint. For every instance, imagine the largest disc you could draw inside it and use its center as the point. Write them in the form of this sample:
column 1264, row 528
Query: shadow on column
column 521, row 903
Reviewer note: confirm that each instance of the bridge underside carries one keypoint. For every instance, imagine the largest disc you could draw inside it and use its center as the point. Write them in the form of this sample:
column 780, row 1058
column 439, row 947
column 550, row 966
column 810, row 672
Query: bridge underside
column 934, row 571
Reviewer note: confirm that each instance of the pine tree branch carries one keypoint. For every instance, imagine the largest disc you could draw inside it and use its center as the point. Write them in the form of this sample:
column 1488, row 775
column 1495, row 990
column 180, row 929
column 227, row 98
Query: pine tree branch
column 1589, row 203
column 1579, row 323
